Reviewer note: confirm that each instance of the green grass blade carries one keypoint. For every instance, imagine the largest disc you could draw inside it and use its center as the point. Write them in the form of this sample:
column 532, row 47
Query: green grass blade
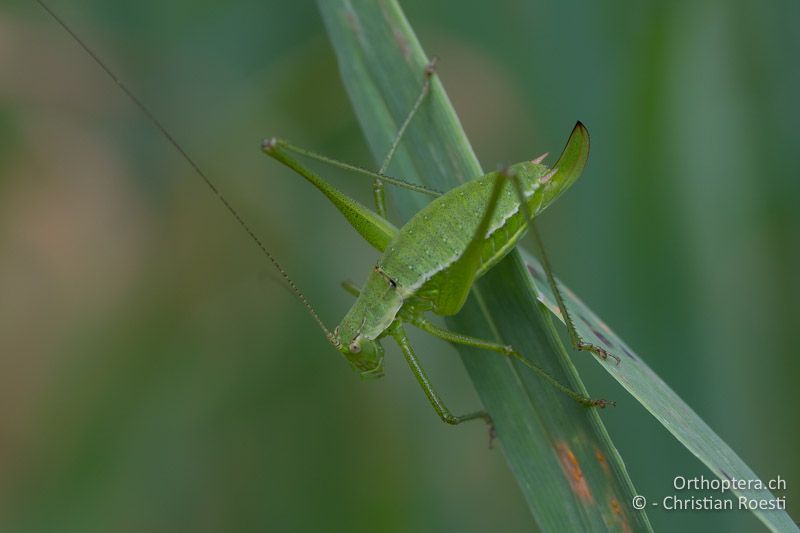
column 569, row 471
column 662, row 402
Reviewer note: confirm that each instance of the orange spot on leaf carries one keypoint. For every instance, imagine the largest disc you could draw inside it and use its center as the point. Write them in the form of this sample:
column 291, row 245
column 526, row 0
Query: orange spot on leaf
column 574, row 473
column 601, row 458
column 616, row 508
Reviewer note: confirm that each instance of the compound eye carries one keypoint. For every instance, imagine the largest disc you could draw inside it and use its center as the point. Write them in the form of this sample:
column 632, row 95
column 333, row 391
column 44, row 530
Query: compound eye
column 354, row 347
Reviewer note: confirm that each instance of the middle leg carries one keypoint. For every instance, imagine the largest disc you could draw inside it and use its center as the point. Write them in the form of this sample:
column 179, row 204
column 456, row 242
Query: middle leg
column 507, row 351
column 422, row 377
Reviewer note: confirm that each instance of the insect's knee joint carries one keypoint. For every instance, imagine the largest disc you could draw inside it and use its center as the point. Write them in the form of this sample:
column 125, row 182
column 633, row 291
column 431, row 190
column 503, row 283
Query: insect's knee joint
column 430, row 68
column 450, row 419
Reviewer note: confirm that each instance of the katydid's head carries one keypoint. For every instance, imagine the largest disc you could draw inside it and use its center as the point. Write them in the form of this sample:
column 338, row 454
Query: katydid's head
column 364, row 355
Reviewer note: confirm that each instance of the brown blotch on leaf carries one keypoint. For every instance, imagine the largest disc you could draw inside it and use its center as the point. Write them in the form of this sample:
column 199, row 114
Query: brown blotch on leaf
column 572, row 469
column 619, row 514
column 535, row 273
column 400, row 39
column 628, row 352
column 601, row 458
column 352, row 21
column 602, row 338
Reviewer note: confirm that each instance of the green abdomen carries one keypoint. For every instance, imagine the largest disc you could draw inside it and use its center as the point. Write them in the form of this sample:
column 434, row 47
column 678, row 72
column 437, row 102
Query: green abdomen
column 438, row 234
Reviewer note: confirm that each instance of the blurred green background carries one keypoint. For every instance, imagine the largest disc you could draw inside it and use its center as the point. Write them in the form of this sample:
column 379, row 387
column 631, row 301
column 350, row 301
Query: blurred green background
column 154, row 377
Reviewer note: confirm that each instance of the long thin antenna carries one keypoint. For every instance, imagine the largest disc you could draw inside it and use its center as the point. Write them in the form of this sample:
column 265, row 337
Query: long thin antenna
column 161, row 128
